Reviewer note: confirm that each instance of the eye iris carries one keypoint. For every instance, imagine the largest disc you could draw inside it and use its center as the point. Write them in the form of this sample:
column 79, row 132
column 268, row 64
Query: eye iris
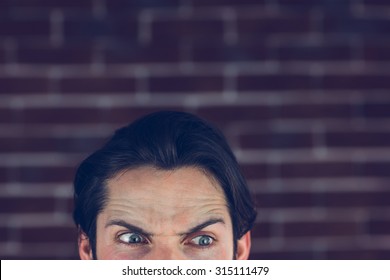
column 204, row 241
column 135, row 238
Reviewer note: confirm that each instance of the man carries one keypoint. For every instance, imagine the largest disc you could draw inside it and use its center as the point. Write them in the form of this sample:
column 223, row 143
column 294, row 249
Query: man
column 166, row 186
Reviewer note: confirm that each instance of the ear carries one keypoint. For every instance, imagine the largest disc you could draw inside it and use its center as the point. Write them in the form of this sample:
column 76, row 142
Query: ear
column 244, row 246
column 85, row 250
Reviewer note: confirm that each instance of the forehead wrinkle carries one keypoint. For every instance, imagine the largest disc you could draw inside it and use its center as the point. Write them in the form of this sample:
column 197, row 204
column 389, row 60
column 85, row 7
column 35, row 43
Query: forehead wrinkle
column 204, row 198
column 217, row 210
column 140, row 197
column 185, row 201
column 126, row 208
column 186, row 229
column 201, row 196
column 146, row 219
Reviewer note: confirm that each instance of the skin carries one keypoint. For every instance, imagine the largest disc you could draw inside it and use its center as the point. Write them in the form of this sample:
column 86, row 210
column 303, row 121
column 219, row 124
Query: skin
column 156, row 214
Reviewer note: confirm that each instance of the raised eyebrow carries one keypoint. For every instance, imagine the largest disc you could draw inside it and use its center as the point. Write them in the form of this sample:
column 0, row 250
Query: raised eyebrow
column 129, row 226
column 203, row 225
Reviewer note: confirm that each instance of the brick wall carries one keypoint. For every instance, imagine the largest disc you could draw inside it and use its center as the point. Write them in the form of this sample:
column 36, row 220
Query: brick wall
column 300, row 88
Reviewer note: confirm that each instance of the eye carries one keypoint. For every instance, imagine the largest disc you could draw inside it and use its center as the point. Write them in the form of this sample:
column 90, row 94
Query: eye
column 202, row 240
column 132, row 238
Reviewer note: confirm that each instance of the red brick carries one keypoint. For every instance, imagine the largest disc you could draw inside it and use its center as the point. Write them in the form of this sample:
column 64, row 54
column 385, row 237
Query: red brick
column 374, row 169
column 326, row 199
column 339, row 7
column 356, row 82
column 46, row 251
column 97, row 85
column 8, row 116
column 27, row 205
column 356, row 199
column 376, row 51
column 252, row 29
column 186, row 83
column 34, row 254
column 283, row 255
column 317, row 169
column 11, row 85
column 131, row 6
column 59, row 115
column 3, row 233
column 44, row 144
column 276, row 82
column 256, row 171
column 3, row 174
column 88, row 29
column 321, row 229
column 127, row 115
column 309, row 3
column 49, row 4
column 24, row 28
column 365, row 27
column 47, row 174
column 231, row 113
column 276, row 140
column 317, row 111
column 380, row 227
column 208, row 52
column 187, row 29
column 262, row 229
column 79, row 115
column 48, row 234
column 229, row 3
column 69, row 205
column 71, row 54
column 357, row 254
column 289, row 52
column 357, row 139
column 286, row 200
column 3, row 56
column 218, row 115
column 133, row 53
column 375, row 110
column 375, row 2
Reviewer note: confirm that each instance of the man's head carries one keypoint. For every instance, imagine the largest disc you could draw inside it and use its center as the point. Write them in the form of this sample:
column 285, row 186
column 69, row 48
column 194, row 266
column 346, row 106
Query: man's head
column 166, row 186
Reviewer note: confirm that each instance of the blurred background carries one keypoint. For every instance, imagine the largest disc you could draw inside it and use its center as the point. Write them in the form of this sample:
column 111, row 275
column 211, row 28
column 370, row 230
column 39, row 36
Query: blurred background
column 299, row 87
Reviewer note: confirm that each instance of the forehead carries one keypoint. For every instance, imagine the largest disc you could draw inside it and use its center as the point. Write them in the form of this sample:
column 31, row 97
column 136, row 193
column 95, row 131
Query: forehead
column 153, row 197
column 167, row 182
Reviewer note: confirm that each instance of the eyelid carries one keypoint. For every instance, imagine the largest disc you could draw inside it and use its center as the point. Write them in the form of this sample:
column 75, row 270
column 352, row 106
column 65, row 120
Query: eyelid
column 189, row 238
column 119, row 235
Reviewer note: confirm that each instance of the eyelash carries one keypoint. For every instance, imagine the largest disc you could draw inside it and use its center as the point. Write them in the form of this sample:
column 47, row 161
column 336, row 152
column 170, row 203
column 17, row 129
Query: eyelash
column 187, row 241
column 200, row 234
column 118, row 239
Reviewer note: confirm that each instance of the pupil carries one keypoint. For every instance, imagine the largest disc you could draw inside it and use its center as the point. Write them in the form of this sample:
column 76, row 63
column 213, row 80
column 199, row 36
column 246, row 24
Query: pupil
column 204, row 241
column 135, row 238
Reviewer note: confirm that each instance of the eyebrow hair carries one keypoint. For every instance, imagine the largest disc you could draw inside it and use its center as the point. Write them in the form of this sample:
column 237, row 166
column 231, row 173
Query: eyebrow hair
column 203, row 225
column 133, row 228
column 129, row 226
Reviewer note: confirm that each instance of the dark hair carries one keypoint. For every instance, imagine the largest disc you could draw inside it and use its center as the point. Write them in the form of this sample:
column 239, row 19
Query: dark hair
column 164, row 140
